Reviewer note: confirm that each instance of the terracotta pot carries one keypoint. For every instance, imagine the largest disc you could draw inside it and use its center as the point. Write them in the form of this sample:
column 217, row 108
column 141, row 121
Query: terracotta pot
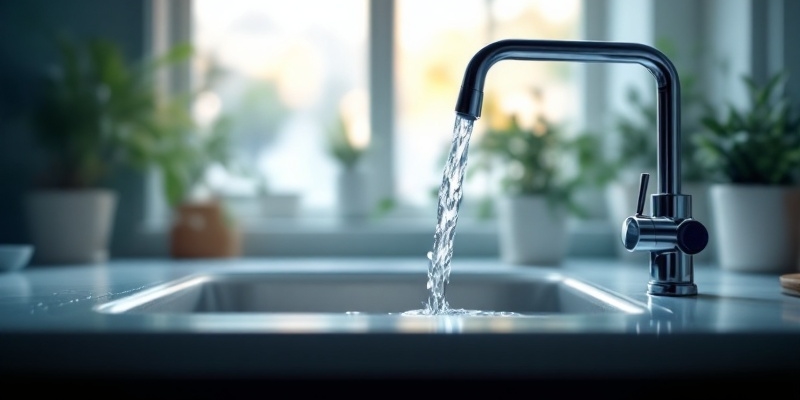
column 201, row 230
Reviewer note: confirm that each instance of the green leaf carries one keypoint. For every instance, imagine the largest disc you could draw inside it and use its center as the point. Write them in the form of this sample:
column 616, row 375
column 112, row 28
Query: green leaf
column 531, row 160
column 101, row 111
column 757, row 144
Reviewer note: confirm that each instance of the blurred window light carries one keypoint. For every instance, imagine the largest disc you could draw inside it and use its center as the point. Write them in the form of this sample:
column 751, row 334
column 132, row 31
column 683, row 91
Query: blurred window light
column 285, row 68
column 435, row 41
column 292, row 68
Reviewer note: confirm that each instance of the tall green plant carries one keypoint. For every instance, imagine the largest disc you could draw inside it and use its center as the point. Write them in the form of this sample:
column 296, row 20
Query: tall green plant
column 185, row 152
column 531, row 160
column 757, row 144
column 182, row 149
column 96, row 107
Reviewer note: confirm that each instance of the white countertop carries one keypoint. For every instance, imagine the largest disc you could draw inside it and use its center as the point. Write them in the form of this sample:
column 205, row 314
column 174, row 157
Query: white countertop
column 739, row 324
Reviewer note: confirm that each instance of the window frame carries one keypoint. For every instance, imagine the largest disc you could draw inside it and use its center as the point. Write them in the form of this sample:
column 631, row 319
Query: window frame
column 170, row 23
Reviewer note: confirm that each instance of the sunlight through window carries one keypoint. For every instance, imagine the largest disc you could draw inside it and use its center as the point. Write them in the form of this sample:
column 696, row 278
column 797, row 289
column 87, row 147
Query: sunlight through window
column 290, row 70
column 435, row 41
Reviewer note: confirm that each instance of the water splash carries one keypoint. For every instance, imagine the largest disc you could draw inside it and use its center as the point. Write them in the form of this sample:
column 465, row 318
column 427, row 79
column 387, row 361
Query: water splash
column 450, row 194
column 60, row 301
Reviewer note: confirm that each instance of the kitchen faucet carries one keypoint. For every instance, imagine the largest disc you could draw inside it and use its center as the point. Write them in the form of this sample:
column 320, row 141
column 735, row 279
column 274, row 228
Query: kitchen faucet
column 671, row 235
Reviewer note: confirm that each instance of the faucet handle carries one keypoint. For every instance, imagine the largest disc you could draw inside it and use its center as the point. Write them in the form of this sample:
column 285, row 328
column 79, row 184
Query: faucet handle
column 692, row 236
column 642, row 193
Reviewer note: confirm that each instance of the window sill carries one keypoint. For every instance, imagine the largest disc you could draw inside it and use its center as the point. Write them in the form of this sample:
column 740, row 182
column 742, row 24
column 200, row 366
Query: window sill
column 312, row 237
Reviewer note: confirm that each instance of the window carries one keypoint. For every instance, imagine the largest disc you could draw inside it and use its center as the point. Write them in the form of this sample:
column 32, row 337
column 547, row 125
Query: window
column 291, row 67
column 288, row 69
column 434, row 42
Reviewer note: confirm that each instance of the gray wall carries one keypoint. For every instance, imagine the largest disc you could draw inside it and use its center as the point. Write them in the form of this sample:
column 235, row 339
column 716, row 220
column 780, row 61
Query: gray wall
column 26, row 48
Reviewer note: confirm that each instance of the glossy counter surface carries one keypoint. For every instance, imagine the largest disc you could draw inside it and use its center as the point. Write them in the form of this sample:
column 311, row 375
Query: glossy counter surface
column 739, row 325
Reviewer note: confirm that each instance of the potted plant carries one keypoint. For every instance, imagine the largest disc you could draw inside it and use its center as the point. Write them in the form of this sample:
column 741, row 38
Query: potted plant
column 183, row 152
column 95, row 107
column 536, row 191
column 756, row 205
column 201, row 227
column 348, row 142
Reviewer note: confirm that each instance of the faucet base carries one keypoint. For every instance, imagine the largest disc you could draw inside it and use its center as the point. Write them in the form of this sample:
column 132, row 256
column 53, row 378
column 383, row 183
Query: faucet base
column 671, row 289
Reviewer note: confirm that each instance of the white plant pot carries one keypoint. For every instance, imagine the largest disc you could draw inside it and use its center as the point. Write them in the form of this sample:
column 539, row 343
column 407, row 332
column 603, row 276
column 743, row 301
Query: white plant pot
column 531, row 232
column 280, row 205
column 756, row 227
column 71, row 226
column 352, row 195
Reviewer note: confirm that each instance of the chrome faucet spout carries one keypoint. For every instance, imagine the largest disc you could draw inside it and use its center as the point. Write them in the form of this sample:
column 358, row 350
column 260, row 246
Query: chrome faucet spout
column 470, row 98
column 670, row 234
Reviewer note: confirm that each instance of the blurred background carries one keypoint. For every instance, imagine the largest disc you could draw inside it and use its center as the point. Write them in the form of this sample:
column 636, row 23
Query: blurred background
column 321, row 128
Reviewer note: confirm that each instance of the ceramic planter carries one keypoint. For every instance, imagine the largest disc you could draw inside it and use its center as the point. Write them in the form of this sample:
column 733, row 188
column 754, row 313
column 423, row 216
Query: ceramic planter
column 530, row 231
column 71, row 226
column 351, row 196
column 279, row 205
column 202, row 230
column 756, row 227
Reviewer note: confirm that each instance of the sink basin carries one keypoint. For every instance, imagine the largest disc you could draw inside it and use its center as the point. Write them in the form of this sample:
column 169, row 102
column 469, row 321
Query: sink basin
column 521, row 292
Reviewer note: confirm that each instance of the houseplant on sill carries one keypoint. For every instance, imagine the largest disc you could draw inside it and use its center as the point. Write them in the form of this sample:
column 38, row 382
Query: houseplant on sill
column 94, row 109
column 537, row 191
column 756, row 205
column 348, row 142
column 201, row 226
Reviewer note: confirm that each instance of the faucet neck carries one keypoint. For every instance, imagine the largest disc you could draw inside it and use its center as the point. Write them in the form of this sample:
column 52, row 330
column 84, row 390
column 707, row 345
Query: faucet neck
column 470, row 98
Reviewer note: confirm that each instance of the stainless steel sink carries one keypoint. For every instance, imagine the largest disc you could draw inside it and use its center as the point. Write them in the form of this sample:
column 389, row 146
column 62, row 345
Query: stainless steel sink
column 523, row 292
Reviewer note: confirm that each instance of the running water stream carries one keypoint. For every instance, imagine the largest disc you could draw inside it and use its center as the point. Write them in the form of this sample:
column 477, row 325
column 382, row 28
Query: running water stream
column 450, row 193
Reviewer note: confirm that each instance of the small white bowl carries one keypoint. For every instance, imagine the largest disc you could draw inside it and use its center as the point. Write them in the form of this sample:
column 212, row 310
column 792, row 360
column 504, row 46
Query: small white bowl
column 14, row 257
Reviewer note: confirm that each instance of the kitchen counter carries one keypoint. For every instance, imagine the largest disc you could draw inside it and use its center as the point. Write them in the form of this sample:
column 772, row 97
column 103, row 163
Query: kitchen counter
column 740, row 326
